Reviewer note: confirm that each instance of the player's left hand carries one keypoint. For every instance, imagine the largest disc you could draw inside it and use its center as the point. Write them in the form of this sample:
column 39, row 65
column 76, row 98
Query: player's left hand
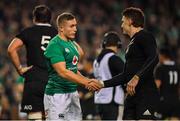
column 132, row 85
column 23, row 70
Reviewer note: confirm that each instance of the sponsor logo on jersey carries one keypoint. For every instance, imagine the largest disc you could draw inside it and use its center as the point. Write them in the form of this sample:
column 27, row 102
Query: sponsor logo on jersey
column 72, row 68
column 75, row 60
column 67, row 50
column 61, row 116
column 28, row 107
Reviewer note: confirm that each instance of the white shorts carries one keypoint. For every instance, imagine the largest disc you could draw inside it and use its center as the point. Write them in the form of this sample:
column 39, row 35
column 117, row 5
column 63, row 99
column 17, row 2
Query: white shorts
column 63, row 107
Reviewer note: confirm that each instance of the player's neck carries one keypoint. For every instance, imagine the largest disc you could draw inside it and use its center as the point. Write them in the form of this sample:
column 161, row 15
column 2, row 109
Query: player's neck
column 113, row 48
column 135, row 30
column 63, row 37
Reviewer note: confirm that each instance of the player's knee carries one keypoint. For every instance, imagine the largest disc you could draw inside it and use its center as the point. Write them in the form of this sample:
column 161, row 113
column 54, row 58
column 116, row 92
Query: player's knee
column 35, row 116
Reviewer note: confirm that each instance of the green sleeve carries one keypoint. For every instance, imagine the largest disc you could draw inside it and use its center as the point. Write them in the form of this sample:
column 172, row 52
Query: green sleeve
column 20, row 80
column 54, row 53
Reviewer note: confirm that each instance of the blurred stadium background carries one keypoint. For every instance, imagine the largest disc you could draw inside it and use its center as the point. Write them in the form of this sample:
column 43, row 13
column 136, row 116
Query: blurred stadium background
column 95, row 17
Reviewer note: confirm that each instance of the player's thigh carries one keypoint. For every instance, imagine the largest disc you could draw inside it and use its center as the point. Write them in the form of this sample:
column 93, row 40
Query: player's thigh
column 129, row 112
column 147, row 109
column 34, row 86
column 109, row 111
column 32, row 100
column 57, row 106
column 75, row 111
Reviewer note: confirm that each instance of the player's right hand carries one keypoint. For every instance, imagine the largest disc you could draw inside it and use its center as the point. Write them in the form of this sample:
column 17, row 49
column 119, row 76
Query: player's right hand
column 94, row 85
column 23, row 70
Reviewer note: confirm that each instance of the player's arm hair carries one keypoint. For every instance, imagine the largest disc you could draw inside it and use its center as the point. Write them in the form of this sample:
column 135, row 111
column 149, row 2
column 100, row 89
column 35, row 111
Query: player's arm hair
column 12, row 50
column 60, row 68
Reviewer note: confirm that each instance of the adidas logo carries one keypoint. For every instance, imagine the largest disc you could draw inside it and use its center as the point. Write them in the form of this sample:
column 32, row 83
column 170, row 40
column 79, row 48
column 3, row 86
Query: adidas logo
column 147, row 112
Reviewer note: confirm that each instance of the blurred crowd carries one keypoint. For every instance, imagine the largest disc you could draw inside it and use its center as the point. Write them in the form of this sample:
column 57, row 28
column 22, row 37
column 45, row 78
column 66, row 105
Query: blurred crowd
column 95, row 17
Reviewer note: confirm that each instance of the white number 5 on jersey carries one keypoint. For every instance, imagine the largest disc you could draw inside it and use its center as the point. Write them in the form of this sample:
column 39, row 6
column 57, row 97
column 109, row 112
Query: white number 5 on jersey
column 45, row 42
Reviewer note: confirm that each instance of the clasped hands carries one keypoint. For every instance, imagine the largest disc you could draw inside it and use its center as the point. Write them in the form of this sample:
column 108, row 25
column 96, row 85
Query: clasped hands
column 94, row 85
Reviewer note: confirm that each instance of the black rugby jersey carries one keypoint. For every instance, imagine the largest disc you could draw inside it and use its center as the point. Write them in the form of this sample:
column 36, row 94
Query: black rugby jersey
column 36, row 39
column 141, row 59
column 169, row 74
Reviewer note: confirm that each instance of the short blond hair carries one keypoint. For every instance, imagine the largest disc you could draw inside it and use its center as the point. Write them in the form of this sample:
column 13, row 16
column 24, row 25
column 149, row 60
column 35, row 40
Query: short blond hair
column 64, row 17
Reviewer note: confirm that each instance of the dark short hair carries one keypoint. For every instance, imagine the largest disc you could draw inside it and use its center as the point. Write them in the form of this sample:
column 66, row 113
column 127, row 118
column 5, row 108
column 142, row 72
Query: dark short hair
column 42, row 13
column 64, row 17
column 136, row 15
column 111, row 39
column 166, row 51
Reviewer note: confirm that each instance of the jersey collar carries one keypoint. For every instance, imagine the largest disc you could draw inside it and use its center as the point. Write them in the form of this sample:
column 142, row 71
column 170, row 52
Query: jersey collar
column 43, row 24
column 168, row 62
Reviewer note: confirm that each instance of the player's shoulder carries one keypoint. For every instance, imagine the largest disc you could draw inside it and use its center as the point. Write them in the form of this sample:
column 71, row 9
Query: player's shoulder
column 160, row 67
column 27, row 29
column 146, row 34
column 54, row 40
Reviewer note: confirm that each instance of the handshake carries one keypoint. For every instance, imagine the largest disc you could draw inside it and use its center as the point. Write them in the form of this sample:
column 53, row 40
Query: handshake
column 94, row 85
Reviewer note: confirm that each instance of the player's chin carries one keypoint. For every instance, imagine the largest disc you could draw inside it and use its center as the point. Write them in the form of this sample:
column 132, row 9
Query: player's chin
column 72, row 36
column 124, row 32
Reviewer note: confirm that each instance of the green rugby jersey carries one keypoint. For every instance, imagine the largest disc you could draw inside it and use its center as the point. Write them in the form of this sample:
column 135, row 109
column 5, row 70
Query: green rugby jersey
column 59, row 50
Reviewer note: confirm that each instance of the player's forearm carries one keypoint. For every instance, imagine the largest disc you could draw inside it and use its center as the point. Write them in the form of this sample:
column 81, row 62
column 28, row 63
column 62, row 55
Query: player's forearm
column 12, row 50
column 76, row 78
column 115, row 81
column 14, row 58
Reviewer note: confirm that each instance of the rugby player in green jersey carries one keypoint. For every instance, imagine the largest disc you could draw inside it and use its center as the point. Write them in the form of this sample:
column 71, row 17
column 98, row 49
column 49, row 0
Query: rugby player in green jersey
column 61, row 99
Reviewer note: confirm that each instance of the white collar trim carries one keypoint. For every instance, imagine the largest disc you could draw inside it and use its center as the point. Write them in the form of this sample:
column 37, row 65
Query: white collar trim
column 169, row 62
column 43, row 24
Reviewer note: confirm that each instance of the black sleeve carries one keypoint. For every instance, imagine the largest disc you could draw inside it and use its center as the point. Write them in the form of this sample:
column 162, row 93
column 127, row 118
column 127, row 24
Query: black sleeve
column 115, row 80
column 113, row 62
column 158, row 73
column 148, row 45
column 22, row 35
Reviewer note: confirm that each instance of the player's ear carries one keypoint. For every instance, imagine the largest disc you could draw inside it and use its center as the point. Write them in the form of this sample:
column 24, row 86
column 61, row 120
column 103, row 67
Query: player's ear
column 60, row 28
column 130, row 21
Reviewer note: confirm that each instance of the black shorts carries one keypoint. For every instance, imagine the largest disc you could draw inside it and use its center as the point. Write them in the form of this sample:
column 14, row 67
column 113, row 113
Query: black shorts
column 34, row 86
column 108, row 111
column 170, row 108
column 141, row 106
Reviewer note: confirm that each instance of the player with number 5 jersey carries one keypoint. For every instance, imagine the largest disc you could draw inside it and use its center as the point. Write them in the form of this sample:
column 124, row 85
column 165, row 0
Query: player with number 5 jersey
column 35, row 39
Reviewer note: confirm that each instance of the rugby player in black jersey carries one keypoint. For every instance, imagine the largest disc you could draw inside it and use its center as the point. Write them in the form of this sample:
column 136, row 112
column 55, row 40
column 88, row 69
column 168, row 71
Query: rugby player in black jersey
column 35, row 39
column 167, row 75
column 141, row 58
